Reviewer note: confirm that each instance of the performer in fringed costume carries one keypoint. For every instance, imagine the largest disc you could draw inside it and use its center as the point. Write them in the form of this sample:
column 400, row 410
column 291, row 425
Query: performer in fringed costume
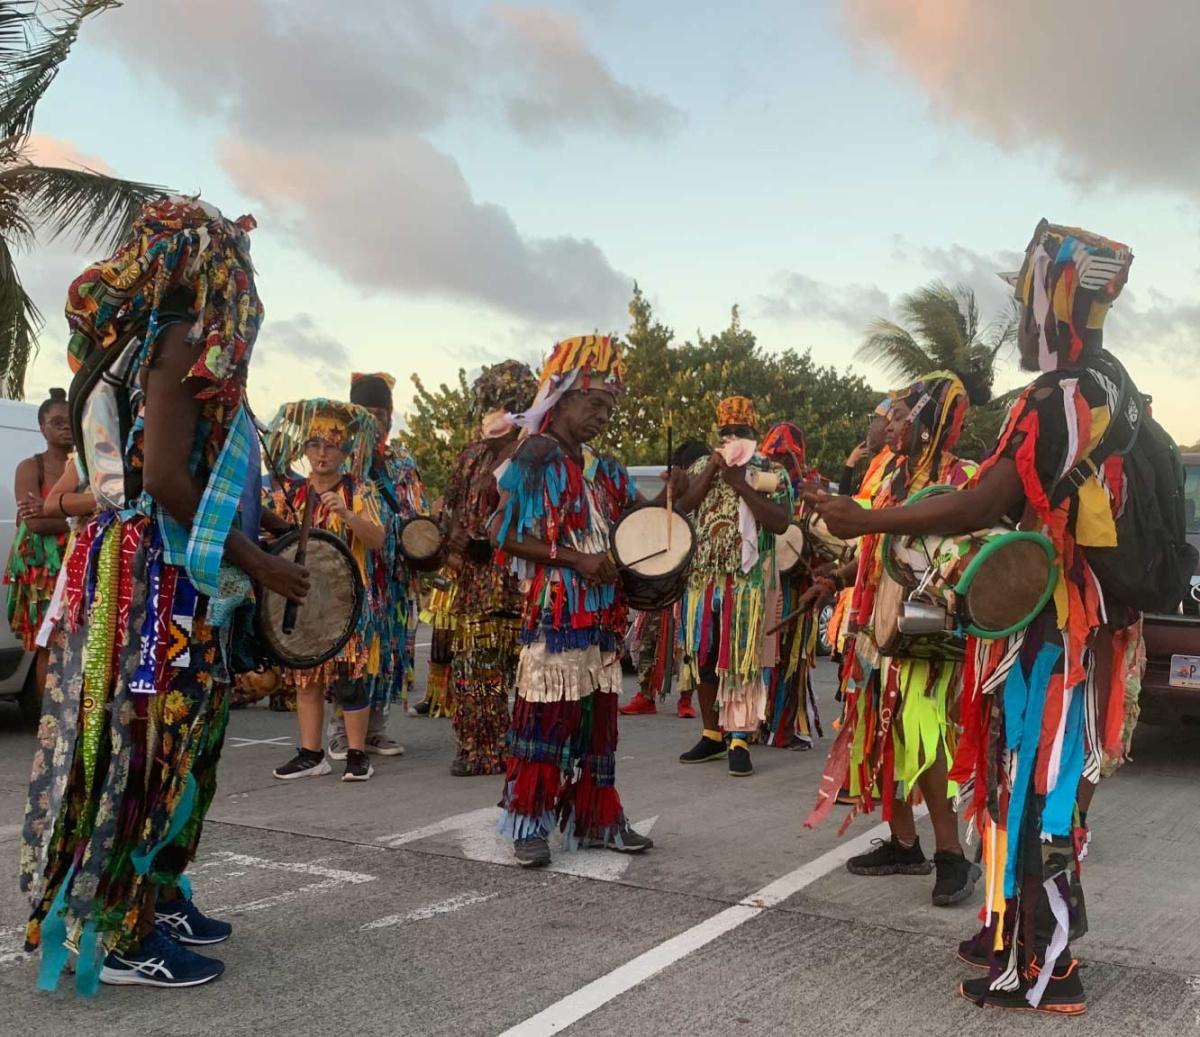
column 792, row 717
column 896, row 740
column 559, row 501
column 1049, row 707
column 401, row 494
column 733, row 585
column 136, row 698
column 657, row 652
column 337, row 440
column 486, row 601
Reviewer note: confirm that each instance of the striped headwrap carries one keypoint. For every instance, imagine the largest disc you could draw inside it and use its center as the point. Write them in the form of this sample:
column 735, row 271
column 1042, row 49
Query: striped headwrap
column 938, row 405
column 581, row 363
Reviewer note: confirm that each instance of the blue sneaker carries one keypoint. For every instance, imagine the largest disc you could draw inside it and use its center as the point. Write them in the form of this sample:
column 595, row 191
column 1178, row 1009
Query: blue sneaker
column 182, row 920
column 159, row 961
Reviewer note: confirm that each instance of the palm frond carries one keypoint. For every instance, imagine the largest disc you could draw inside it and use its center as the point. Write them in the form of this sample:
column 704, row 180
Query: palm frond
column 15, row 16
column 894, row 350
column 97, row 209
column 26, row 73
column 937, row 321
column 19, row 323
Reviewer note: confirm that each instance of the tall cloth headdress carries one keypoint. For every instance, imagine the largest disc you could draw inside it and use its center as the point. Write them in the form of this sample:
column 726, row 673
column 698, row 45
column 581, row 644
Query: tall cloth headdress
column 580, row 363
column 939, row 405
column 346, row 425
column 1069, row 279
column 501, row 392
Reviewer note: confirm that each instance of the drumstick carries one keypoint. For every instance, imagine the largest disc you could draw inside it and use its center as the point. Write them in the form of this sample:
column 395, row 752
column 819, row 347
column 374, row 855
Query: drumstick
column 291, row 609
column 646, row 558
column 787, row 619
column 670, row 501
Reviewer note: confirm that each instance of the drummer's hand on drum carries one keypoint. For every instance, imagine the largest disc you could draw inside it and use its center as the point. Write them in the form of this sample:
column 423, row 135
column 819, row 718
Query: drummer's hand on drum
column 283, row 577
column 844, row 516
column 596, row 568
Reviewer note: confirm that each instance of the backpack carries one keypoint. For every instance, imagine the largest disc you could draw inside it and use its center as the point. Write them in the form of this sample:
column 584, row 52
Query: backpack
column 1151, row 568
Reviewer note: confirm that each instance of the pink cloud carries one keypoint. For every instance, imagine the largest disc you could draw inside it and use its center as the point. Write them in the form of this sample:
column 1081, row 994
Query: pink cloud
column 44, row 150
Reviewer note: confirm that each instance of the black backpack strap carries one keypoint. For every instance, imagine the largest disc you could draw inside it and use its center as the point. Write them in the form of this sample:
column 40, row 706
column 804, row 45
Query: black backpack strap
column 1074, row 480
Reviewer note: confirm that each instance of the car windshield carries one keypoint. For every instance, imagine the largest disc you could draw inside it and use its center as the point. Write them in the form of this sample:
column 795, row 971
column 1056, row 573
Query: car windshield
column 1191, row 499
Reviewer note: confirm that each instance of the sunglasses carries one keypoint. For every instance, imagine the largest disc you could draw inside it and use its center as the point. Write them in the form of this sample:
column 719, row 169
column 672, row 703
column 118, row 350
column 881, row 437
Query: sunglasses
column 738, row 431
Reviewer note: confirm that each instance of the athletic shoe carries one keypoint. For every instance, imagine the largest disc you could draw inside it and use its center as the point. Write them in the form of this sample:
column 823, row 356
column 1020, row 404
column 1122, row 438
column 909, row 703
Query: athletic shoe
column 382, row 744
column 183, row 921
column 626, row 840
column 638, row 706
column 705, row 750
column 421, row 709
column 358, row 767
column 844, row 798
column 956, row 878
column 684, row 708
column 460, row 768
column 739, row 761
column 975, row 951
column 307, row 763
column 890, row 858
column 337, row 746
column 532, row 853
column 159, row 961
column 1063, row 994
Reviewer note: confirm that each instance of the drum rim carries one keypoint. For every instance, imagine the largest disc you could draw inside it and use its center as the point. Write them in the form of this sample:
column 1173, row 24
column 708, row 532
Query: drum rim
column 963, row 587
column 612, row 539
column 799, row 554
column 678, row 579
column 360, row 593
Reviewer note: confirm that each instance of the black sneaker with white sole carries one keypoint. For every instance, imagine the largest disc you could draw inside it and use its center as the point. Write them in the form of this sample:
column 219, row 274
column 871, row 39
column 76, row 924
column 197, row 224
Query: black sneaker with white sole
column 890, row 858
column 358, row 766
column 956, row 878
column 626, row 840
column 159, row 961
column 307, row 763
column 532, row 853
column 740, row 765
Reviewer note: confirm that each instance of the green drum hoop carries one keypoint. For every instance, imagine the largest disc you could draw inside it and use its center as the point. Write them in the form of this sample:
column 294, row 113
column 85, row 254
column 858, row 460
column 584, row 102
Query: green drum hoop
column 963, row 586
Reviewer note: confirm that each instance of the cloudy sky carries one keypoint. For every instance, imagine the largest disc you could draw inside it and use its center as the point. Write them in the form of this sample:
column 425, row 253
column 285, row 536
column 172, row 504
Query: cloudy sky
column 442, row 184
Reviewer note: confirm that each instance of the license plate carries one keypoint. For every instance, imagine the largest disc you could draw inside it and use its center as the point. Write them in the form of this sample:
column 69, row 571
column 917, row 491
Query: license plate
column 1185, row 671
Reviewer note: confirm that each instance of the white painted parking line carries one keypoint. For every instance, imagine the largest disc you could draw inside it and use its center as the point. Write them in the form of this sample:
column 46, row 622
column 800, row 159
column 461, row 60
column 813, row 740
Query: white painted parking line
column 242, row 743
column 441, row 907
column 600, row 991
column 331, row 879
column 478, row 840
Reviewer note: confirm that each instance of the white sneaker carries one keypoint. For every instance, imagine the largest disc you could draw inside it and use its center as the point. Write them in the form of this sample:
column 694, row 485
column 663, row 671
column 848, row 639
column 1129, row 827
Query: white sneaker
column 338, row 747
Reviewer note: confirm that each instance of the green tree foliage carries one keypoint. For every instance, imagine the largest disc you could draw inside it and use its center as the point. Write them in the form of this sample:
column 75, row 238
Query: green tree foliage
column 436, row 429
column 941, row 330
column 44, row 201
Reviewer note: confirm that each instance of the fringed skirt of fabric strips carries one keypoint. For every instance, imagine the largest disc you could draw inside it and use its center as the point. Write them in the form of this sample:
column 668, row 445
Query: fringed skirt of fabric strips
column 562, row 745
column 486, row 649
column 32, row 570
column 441, row 615
column 722, row 632
column 793, row 719
column 124, row 771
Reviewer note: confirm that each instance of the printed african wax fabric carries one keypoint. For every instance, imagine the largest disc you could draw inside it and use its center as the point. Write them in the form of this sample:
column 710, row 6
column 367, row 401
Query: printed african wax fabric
column 562, row 740
column 32, row 571
column 486, row 609
column 136, row 695
column 727, row 601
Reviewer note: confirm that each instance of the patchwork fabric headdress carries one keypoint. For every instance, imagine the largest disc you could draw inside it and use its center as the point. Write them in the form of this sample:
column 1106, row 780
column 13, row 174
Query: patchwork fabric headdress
column 1070, row 278
column 184, row 249
column 939, row 405
column 736, row 410
column 581, row 363
column 501, row 392
column 345, row 425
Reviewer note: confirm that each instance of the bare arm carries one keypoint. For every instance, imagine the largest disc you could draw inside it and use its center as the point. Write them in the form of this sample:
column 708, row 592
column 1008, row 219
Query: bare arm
column 171, row 412
column 997, row 493
column 31, row 507
column 769, row 514
column 65, row 499
column 698, row 487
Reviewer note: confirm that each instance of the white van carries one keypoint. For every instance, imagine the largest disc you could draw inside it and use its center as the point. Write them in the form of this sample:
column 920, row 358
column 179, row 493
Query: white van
column 20, row 438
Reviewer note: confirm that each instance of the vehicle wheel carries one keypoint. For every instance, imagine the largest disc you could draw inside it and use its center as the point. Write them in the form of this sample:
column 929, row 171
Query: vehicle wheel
column 823, row 645
column 29, row 701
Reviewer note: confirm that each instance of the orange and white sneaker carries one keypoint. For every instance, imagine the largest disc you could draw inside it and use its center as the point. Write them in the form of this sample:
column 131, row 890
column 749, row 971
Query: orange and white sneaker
column 1063, row 994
